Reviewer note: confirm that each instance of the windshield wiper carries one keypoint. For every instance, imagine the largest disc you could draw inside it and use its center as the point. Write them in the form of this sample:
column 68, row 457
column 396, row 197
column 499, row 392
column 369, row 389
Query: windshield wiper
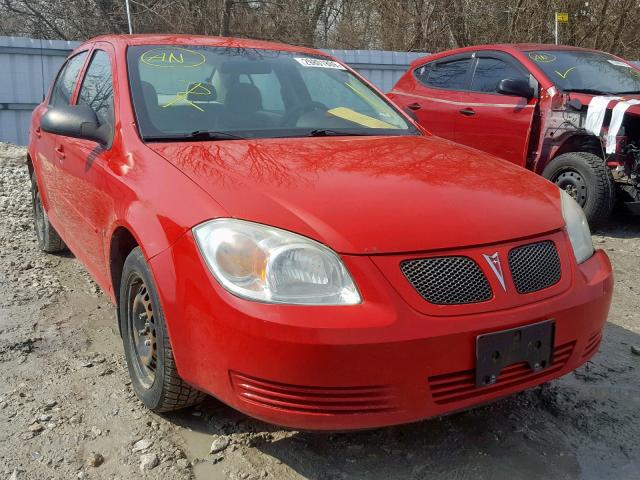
column 592, row 91
column 195, row 135
column 628, row 92
column 327, row 132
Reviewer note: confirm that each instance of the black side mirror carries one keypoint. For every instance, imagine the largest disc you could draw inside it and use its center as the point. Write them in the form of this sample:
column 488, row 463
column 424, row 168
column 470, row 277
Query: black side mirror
column 77, row 121
column 516, row 87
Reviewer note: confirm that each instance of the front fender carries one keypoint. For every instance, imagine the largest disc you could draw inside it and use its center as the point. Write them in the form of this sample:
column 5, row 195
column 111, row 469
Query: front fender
column 154, row 201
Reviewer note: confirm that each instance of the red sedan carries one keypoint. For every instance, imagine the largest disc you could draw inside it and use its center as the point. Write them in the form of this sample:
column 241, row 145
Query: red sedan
column 277, row 234
column 568, row 113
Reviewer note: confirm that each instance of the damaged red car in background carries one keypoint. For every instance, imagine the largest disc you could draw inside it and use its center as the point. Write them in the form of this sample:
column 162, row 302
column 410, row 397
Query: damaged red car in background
column 569, row 114
column 276, row 233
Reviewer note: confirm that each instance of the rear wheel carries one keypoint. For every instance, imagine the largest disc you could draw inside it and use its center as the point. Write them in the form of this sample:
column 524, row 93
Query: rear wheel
column 152, row 368
column 48, row 239
column 588, row 180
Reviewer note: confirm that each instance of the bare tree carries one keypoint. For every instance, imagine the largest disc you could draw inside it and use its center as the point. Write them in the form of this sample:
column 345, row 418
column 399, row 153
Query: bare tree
column 414, row 25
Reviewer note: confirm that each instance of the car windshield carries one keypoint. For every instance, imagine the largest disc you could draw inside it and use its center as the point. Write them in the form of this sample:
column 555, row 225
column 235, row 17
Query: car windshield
column 588, row 72
column 207, row 93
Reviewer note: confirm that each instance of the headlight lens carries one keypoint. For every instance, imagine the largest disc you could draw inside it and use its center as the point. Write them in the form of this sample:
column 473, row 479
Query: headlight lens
column 577, row 227
column 267, row 264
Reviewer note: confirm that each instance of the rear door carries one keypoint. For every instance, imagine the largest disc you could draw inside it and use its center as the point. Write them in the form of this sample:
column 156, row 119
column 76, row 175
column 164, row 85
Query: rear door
column 86, row 181
column 489, row 121
column 432, row 92
column 46, row 144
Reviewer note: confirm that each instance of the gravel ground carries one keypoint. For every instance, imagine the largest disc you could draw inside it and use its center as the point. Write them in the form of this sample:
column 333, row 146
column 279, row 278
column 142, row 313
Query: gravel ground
column 67, row 409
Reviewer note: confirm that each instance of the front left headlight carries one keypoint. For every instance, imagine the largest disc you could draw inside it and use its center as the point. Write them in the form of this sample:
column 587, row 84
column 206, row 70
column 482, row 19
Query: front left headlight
column 577, row 227
column 267, row 264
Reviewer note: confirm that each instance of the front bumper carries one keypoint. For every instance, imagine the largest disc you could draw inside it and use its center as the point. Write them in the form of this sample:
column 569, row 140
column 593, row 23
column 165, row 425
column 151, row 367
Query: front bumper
column 374, row 364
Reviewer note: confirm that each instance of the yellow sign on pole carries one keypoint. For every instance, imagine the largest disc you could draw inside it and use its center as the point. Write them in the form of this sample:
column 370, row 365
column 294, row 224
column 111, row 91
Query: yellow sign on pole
column 562, row 17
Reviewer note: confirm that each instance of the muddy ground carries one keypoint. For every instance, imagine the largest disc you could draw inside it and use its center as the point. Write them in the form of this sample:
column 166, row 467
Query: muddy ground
column 67, row 409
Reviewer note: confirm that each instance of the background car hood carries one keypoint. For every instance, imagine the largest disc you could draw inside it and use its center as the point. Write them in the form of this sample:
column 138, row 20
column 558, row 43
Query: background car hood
column 363, row 195
column 586, row 98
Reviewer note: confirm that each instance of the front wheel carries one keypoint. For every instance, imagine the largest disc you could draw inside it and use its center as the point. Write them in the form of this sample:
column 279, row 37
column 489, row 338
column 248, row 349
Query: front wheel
column 150, row 361
column 588, row 180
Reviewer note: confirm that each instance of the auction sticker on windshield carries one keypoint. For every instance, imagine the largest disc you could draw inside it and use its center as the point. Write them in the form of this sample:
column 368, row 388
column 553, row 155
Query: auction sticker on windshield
column 317, row 62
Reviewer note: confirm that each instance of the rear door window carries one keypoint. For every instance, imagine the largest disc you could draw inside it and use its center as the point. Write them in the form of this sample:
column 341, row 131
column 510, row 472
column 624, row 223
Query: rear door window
column 490, row 71
column 449, row 75
column 422, row 73
column 66, row 81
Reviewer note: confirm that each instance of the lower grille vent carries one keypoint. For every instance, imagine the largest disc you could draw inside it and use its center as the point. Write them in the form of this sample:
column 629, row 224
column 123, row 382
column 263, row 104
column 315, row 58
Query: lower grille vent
column 592, row 345
column 318, row 400
column 458, row 386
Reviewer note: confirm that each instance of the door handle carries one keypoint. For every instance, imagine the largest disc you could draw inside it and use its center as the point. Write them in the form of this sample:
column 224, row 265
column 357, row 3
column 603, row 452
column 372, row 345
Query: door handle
column 38, row 132
column 467, row 112
column 60, row 152
column 414, row 106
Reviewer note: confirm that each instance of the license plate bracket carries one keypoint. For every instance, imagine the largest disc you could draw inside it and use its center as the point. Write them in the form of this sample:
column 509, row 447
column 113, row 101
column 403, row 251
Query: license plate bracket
column 532, row 344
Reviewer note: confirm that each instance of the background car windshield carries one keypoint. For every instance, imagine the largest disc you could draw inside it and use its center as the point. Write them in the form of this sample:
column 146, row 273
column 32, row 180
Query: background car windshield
column 253, row 93
column 587, row 71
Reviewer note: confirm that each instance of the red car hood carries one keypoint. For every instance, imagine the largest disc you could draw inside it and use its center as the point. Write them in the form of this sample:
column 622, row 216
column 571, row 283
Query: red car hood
column 586, row 98
column 372, row 194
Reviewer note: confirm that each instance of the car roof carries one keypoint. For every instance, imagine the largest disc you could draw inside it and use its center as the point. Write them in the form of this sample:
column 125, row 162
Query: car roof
column 521, row 47
column 525, row 47
column 198, row 40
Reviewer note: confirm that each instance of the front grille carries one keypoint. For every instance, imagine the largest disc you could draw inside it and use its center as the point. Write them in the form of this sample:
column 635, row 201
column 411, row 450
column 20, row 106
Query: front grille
column 458, row 386
column 447, row 280
column 534, row 266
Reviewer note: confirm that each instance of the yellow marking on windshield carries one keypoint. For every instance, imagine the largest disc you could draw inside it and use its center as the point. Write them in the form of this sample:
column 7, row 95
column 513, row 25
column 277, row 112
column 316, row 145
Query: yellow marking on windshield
column 359, row 118
column 195, row 89
column 564, row 75
column 542, row 57
column 172, row 57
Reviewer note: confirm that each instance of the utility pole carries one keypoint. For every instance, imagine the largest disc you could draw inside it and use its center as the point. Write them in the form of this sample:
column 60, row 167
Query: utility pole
column 126, row 2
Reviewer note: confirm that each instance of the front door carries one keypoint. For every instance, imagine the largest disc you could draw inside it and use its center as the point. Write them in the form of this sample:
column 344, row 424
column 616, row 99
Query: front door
column 86, row 181
column 493, row 122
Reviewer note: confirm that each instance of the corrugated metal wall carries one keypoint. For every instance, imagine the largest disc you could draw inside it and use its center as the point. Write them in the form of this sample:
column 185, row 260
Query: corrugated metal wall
column 28, row 66
column 383, row 68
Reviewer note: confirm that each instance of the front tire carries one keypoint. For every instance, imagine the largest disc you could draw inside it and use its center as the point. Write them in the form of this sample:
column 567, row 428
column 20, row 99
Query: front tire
column 48, row 239
column 588, row 180
column 150, row 361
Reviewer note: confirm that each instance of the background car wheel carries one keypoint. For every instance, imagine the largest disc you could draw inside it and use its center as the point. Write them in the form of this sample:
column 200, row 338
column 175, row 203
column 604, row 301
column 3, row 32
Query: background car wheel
column 147, row 347
column 588, row 180
column 48, row 239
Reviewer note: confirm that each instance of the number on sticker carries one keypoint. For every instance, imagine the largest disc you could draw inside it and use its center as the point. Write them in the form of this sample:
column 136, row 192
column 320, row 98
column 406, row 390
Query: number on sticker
column 318, row 62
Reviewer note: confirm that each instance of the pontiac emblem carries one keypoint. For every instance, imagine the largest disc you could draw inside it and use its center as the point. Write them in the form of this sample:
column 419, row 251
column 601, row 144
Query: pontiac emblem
column 496, row 267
